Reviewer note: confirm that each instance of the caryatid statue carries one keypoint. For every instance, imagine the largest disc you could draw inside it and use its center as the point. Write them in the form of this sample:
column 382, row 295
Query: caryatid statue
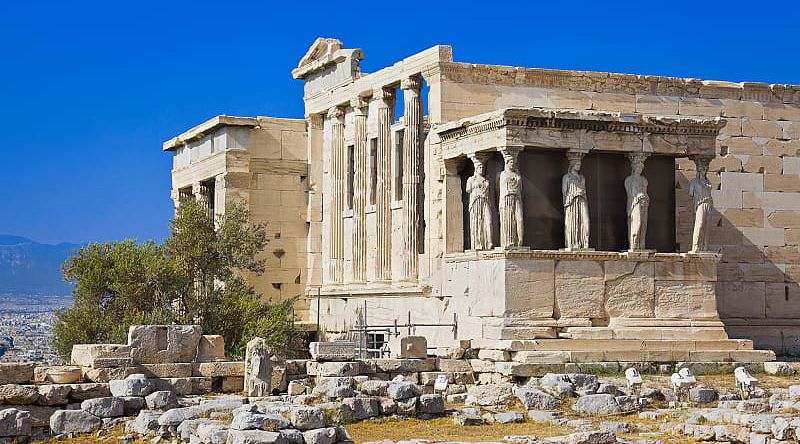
column 480, row 209
column 638, row 203
column 576, row 206
column 700, row 190
column 511, row 216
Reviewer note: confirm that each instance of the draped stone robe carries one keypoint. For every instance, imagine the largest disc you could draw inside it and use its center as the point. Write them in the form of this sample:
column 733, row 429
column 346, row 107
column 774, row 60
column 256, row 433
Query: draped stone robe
column 700, row 190
column 576, row 211
column 511, row 216
column 638, row 205
column 480, row 213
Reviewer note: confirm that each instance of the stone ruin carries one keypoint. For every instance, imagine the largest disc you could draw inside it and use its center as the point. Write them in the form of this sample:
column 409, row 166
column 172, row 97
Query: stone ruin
column 174, row 383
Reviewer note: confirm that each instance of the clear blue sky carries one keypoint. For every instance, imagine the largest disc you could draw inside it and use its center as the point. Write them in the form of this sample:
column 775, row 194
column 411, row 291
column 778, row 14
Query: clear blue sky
column 90, row 90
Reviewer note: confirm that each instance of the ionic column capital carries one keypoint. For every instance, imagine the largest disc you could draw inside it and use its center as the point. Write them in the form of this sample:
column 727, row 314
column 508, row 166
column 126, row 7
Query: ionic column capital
column 360, row 105
column 335, row 112
column 411, row 83
column 383, row 94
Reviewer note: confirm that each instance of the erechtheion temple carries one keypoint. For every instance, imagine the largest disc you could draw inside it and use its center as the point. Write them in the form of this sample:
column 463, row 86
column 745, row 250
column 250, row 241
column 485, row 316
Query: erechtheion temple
column 525, row 207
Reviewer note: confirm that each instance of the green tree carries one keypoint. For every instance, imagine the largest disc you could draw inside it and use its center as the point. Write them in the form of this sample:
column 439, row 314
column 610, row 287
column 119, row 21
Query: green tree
column 196, row 276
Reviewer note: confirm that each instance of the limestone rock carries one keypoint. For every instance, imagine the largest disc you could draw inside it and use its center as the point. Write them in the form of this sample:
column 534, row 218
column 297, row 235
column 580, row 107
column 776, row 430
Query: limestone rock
column 211, row 348
column 15, row 422
column 101, row 355
column 593, row 437
column 508, row 417
column 409, row 347
column 188, row 428
column 407, row 407
column 16, row 373
column 132, row 405
column 74, row 421
column 108, row 407
column 432, row 404
column 333, row 351
column 306, row 418
column 320, row 436
column 779, row 368
column 374, row 387
column 158, row 344
column 258, row 368
column 535, row 399
column 18, row 394
column 363, row 408
column 134, row 385
column 54, row 394
column 702, row 395
column 90, row 390
column 253, row 437
column 212, row 433
column 489, row 394
column 597, row 405
column 403, row 390
column 161, row 400
column 245, row 420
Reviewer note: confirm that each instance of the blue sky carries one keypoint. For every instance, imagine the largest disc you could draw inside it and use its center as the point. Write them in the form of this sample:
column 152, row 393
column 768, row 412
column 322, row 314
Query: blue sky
column 90, row 90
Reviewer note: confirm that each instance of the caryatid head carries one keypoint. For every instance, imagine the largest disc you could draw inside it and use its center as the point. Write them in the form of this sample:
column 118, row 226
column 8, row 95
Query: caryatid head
column 574, row 162
column 478, row 164
column 637, row 164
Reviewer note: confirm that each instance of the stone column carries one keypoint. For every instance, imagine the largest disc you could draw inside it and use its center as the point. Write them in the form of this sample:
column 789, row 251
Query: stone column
column 337, row 177
column 412, row 150
column 510, row 205
column 383, row 192
column 360, row 163
column 700, row 190
column 219, row 197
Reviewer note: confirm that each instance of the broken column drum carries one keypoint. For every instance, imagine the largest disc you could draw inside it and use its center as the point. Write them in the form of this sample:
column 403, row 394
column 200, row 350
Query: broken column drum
column 258, row 368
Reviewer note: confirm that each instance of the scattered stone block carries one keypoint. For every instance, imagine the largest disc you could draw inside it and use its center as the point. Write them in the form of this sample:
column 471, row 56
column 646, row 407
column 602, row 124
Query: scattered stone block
column 132, row 405
column 101, row 355
column 374, row 387
column 307, row 418
column 403, row 390
column 161, row 400
column 133, row 385
column 89, row 390
column 168, row 370
column 18, row 394
column 74, row 421
column 779, row 368
column 15, row 422
column 162, row 344
column 229, row 384
column 409, row 347
column 107, row 407
column 332, row 351
column 54, row 394
column 363, row 408
column 219, row 369
column 454, row 365
column 185, row 386
column 320, row 436
column 253, row 437
column 702, row 395
column 535, row 399
column 211, row 348
column 597, row 405
column 404, row 365
column 146, row 421
column 16, row 373
column 337, row 368
column 64, row 375
column 106, row 374
column 432, row 404
column 407, row 407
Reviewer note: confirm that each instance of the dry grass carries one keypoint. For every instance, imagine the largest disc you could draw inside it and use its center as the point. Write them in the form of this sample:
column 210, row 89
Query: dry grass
column 111, row 436
column 445, row 429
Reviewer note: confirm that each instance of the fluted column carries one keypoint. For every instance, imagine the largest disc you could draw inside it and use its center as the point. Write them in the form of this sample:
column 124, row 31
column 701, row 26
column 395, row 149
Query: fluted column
column 360, row 162
column 412, row 149
column 383, row 189
column 338, row 164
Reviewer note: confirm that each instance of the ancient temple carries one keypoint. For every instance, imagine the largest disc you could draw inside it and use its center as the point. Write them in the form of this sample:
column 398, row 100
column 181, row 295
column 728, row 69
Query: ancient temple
column 520, row 204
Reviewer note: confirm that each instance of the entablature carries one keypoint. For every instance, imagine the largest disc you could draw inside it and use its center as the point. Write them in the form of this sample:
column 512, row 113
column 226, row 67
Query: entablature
column 582, row 131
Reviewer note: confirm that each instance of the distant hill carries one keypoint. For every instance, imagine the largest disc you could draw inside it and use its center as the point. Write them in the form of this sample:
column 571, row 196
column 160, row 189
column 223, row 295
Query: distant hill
column 31, row 268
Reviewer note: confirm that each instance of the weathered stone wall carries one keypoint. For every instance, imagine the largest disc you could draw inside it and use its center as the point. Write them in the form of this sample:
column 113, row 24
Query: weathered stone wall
column 755, row 174
column 278, row 198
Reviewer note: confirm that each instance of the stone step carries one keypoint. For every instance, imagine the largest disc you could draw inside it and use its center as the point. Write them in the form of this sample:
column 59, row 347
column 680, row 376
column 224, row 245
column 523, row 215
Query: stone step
column 708, row 333
column 653, row 356
column 594, row 345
